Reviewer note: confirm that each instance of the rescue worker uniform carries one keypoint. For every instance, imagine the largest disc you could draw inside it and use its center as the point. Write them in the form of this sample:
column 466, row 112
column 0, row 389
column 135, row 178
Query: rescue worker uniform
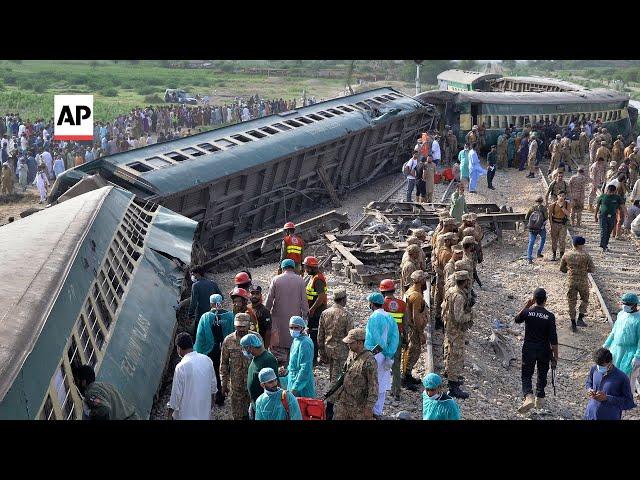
column 292, row 246
column 103, row 402
column 397, row 309
column 316, row 285
column 577, row 264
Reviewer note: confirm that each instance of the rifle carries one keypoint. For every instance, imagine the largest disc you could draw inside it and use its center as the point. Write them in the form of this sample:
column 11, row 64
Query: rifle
column 553, row 380
column 476, row 278
column 335, row 387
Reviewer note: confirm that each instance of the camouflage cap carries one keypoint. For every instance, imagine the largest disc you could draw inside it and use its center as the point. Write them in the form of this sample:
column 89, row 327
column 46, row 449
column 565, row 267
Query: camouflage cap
column 450, row 221
column 457, row 249
column 242, row 320
column 469, row 231
column 420, row 233
column 461, row 275
column 413, row 249
column 460, row 265
column 354, row 335
column 444, row 215
column 339, row 294
column 448, row 236
column 414, row 241
column 418, row 276
column 468, row 240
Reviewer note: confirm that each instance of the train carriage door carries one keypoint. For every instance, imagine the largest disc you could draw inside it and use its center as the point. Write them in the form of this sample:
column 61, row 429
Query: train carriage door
column 475, row 109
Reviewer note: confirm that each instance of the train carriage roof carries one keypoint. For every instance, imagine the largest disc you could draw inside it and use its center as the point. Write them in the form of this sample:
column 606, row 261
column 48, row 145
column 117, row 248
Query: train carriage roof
column 465, row 76
column 545, row 81
column 585, row 96
column 175, row 176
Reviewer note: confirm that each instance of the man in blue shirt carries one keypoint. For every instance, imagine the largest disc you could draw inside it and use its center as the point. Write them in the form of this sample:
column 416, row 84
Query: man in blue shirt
column 201, row 292
column 608, row 389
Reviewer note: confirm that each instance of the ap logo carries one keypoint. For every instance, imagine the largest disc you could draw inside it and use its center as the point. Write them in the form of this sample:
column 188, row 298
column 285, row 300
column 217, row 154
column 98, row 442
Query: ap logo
column 73, row 115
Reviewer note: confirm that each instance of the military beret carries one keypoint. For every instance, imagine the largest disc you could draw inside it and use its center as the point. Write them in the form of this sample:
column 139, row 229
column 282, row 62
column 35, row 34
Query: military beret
column 457, row 249
column 242, row 320
column 579, row 241
column 466, row 217
column 450, row 221
column 339, row 294
column 413, row 249
column 354, row 335
column 461, row 275
column 468, row 240
column 418, row 276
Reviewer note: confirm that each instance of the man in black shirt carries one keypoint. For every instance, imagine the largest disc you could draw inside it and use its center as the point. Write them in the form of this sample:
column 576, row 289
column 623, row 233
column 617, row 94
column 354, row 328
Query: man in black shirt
column 540, row 347
column 262, row 314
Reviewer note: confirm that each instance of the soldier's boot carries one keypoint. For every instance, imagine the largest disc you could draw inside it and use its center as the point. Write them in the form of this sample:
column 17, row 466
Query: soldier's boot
column 573, row 325
column 580, row 321
column 528, row 404
column 439, row 324
column 408, row 384
column 561, row 253
column 539, row 403
column 554, row 257
column 220, row 398
column 456, row 391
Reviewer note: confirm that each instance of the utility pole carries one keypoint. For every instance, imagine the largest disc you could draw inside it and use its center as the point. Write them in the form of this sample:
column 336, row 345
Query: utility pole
column 418, row 62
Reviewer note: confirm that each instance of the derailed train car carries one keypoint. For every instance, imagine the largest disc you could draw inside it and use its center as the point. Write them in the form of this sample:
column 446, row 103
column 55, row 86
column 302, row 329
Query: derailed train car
column 98, row 286
column 240, row 179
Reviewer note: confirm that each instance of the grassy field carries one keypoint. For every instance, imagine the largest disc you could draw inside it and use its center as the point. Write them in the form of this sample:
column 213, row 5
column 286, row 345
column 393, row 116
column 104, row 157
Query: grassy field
column 28, row 87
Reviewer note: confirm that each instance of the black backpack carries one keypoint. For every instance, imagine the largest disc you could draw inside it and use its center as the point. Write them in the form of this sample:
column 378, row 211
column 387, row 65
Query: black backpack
column 536, row 220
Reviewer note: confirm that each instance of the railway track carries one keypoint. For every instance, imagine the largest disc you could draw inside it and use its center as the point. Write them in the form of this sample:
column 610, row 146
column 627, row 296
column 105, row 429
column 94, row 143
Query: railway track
column 616, row 272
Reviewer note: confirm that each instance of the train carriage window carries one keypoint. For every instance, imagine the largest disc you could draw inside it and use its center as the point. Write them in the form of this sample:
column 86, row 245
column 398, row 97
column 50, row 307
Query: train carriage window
column 194, row 152
column 389, row 97
column 333, row 110
column 325, row 114
column 47, row 412
column 226, row 143
column 269, row 130
column 241, row 138
column 63, row 392
column 345, row 108
column 281, row 126
column 208, row 147
column 256, row 134
column 139, row 167
column 363, row 105
column 158, row 162
column 293, row 123
column 315, row 117
column 381, row 99
column 304, row 120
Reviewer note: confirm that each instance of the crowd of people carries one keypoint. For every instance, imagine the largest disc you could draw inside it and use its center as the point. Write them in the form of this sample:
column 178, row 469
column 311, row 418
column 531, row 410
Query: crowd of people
column 30, row 155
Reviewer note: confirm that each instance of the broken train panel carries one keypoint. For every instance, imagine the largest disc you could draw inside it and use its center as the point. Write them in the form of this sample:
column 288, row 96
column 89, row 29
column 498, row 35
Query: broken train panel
column 95, row 282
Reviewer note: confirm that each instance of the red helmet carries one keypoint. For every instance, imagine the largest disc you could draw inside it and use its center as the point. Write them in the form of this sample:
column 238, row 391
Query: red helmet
column 387, row 285
column 242, row 278
column 240, row 292
column 289, row 225
column 310, row 261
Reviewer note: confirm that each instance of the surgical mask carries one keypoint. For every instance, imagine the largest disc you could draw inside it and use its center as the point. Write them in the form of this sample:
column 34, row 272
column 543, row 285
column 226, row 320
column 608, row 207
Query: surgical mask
column 272, row 389
column 271, row 392
column 294, row 333
column 434, row 396
column 194, row 279
column 247, row 354
column 627, row 308
column 602, row 369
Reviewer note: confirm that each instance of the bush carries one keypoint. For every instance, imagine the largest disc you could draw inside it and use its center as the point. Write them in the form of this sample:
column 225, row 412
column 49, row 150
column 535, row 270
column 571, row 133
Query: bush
column 10, row 79
column 153, row 99
column 146, row 90
column 109, row 92
column 40, row 87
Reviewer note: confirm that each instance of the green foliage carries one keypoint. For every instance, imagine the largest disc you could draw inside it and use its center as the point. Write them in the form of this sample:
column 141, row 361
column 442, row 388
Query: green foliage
column 468, row 65
column 146, row 90
column 153, row 99
column 109, row 92
column 509, row 64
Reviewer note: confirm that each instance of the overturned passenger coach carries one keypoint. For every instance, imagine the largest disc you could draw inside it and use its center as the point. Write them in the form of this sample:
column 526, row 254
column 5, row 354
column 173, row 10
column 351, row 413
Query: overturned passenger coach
column 94, row 281
column 240, row 179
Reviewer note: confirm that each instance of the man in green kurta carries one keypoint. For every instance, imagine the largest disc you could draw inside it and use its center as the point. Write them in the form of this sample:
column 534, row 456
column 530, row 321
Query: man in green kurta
column 458, row 203
column 101, row 401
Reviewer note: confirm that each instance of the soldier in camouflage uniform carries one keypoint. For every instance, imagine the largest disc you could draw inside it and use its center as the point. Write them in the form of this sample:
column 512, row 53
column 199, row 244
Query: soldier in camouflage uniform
column 234, row 366
column 634, row 166
column 415, row 322
column 444, row 255
column 603, row 152
column 628, row 150
column 555, row 148
column 606, row 136
column 335, row 323
column 450, row 147
column 565, row 150
column 578, row 264
column 577, row 185
column 583, row 146
column 597, row 172
column 422, row 259
column 456, row 310
column 469, row 256
column 556, row 187
column 617, row 150
column 559, row 217
column 503, row 141
column 354, row 400
column 449, row 268
column 407, row 268
column 101, row 400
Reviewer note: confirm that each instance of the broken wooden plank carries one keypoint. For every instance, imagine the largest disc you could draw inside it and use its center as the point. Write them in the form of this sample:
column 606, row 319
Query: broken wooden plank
column 347, row 255
column 603, row 305
column 326, row 181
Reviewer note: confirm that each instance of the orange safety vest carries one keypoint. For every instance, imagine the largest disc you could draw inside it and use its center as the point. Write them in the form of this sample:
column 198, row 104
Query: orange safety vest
column 396, row 308
column 293, row 248
column 311, row 293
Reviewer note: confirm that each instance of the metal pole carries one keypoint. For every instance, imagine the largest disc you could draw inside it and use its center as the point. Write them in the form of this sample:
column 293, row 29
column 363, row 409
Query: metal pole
column 417, row 79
